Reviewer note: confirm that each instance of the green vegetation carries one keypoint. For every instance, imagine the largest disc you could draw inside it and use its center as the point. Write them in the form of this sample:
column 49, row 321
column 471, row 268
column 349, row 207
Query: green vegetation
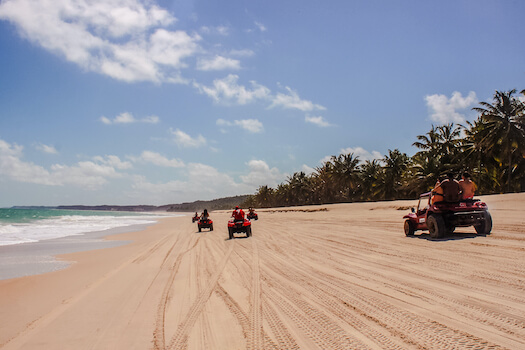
column 491, row 149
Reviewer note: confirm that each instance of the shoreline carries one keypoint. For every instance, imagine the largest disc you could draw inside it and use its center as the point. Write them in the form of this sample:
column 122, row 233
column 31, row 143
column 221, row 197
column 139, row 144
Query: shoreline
column 34, row 258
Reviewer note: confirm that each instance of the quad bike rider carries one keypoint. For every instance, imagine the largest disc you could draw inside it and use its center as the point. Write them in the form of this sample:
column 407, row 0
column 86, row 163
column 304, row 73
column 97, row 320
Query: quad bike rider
column 205, row 221
column 252, row 215
column 195, row 217
column 239, row 224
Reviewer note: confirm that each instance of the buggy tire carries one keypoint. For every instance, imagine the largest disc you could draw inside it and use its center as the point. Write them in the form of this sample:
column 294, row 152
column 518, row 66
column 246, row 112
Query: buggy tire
column 249, row 231
column 211, row 227
column 409, row 228
column 485, row 226
column 200, row 229
column 436, row 226
column 230, row 233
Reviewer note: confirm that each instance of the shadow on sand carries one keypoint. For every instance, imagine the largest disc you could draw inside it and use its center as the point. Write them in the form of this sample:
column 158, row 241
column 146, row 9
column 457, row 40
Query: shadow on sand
column 449, row 237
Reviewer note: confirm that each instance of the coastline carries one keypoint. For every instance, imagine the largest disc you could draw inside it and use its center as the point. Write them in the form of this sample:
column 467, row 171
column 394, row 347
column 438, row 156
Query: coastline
column 26, row 259
column 332, row 276
column 31, row 258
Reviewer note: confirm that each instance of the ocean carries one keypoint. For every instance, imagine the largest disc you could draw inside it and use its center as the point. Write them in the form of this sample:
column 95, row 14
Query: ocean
column 33, row 225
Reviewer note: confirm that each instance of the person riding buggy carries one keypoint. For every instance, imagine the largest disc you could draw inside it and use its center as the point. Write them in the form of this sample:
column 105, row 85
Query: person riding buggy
column 447, row 207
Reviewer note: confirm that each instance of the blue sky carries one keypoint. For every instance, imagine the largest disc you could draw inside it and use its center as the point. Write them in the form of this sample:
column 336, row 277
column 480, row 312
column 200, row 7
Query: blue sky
column 157, row 102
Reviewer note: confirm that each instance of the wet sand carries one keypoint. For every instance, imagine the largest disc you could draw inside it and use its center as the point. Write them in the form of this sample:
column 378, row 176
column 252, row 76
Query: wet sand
column 341, row 278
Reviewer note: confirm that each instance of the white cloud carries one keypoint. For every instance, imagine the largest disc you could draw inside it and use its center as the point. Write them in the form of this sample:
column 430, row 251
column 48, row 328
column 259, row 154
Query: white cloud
column 128, row 118
column 261, row 26
column 203, row 182
column 260, row 174
column 293, row 101
column 218, row 63
column 242, row 53
column 251, row 125
column 46, row 149
column 319, row 121
column 227, row 91
column 220, row 30
column 86, row 174
column 113, row 161
column 362, row 153
column 13, row 167
column 307, row 169
column 124, row 39
column 184, row 140
column 445, row 110
column 160, row 160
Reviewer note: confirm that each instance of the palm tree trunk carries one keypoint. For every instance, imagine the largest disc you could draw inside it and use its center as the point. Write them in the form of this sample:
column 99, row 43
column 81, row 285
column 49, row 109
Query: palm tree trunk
column 509, row 170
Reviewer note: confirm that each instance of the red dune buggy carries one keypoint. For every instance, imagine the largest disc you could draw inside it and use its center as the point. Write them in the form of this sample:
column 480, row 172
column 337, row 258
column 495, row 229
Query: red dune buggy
column 441, row 218
column 252, row 216
column 205, row 223
column 195, row 218
column 236, row 226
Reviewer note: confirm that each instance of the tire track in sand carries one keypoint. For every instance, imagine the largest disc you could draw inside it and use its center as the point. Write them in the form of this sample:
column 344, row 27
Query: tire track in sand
column 159, row 337
column 180, row 339
column 255, row 337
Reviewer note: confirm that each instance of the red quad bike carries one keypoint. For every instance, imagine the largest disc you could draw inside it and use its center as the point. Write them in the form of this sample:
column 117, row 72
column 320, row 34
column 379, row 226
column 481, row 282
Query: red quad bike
column 195, row 218
column 441, row 218
column 252, row 216
column 205, row 223
column 236, row 226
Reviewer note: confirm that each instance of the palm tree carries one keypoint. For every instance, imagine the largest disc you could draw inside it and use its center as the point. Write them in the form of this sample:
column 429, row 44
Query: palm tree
column 265, row 197
column 395, row 164
column 429, row 143
column 345, row 169
column 323, row 179
column 439, row 145
column 299, row 189
column 505, row 125
column 369, row 174
column 449, row 140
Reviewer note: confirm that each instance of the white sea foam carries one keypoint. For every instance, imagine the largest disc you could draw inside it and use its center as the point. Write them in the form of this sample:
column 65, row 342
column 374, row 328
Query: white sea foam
column 62, row 226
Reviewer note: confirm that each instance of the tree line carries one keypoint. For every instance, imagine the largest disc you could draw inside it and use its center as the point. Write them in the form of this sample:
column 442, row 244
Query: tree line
column 491, row 149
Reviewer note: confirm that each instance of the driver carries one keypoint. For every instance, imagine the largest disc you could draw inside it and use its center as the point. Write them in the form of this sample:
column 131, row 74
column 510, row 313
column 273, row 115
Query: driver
column 450, row 188
column 238, row 214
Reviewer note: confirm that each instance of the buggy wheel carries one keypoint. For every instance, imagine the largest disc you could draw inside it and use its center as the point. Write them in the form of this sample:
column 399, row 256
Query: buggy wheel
column 485, row 226
column 249, row 231
column 436, row 226
column 211, row 227
column 409, row 228
column 230, row 232
column 200, row 229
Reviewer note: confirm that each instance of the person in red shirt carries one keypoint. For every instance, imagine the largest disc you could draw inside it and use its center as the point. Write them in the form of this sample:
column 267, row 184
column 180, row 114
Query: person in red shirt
column 238, row 214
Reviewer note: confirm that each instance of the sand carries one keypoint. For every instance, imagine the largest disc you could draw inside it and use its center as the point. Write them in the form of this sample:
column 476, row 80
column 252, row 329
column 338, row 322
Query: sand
column 341, row 278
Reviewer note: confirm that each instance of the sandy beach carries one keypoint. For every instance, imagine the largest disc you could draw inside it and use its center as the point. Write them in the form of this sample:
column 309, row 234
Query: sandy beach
column 340, row 276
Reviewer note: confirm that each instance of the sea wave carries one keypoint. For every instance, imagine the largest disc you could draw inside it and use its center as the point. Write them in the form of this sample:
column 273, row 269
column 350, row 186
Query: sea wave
column 68, row 225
